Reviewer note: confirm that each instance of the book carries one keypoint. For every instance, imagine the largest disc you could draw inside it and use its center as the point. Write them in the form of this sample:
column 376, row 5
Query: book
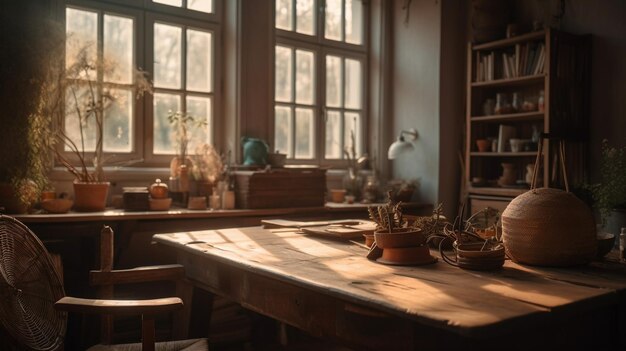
column 505, row 134
column 518, row 50
column 540, row 61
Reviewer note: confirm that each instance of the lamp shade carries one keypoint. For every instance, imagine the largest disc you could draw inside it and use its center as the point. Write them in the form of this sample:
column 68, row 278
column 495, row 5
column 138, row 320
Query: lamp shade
column 399, row 147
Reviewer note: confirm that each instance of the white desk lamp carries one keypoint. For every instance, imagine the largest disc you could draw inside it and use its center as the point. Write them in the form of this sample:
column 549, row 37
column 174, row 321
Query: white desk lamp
column 402, row 145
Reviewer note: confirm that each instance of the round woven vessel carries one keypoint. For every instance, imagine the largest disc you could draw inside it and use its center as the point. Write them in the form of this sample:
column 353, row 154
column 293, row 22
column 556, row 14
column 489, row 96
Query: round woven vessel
column 29, row 286
column 549, row 227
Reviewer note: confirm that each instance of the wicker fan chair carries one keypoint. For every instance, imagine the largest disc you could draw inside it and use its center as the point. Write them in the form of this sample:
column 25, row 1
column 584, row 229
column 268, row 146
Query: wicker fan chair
column 33, row 305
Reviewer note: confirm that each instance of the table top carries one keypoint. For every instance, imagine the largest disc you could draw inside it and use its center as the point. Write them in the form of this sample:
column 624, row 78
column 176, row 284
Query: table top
column 468, row 302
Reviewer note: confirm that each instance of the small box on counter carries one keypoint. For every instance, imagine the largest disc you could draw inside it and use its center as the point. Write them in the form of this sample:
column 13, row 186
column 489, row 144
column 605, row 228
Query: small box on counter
column 280, row 188
column 136, row 199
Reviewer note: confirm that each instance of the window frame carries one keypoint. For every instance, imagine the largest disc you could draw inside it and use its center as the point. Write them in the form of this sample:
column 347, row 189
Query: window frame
column 321, row 47
column 143, row 12
column 102, row 8
column 150, row 158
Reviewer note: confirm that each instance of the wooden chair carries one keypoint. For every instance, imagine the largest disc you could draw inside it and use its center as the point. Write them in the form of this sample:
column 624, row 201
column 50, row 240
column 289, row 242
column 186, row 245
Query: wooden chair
column 33, row 305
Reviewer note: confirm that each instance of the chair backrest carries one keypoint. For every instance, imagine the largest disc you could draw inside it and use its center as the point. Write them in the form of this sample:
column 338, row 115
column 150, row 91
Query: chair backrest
column 106, row 277
column 29, row 287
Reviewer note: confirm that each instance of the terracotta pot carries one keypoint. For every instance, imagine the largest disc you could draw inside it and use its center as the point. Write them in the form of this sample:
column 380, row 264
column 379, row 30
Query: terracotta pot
column 401, row 237
column 369, row 239
column 90, row 197
column 337, row 195
column 483, row 145
column 414, row 255
column 9, row 198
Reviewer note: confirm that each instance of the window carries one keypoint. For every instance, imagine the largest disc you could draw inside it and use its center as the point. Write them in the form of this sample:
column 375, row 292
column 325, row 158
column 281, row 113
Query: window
column 174, row 40
column 319, row 80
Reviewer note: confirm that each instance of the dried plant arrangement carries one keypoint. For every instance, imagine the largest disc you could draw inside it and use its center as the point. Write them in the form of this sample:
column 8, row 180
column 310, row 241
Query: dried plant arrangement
column 432, row 225
column 472, row 250
column 388, row 216
column 208, row 165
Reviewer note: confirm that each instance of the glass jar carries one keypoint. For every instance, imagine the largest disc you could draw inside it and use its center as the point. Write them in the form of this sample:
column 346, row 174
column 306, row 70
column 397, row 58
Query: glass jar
column 502, row 104
column 371, row 189
column 540, row 102
column 488, row 107
column 515, row 104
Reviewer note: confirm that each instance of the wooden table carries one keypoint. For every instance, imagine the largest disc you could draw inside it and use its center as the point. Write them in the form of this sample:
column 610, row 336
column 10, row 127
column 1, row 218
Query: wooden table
column 331, row 290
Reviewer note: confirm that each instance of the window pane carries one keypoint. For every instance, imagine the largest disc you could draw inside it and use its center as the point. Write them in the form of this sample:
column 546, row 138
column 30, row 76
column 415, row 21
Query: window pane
column 282, row 130
column 305, row 75
column 77, row 121
column 199, row 60
column 81, row 28
column 333, row 81
column 333, row 135
column 283, row 74
column 332, row 26
column 283, row 14
column 118, row 49
column 200, row 5
column 352, row 124
column 354, row 21
column 167, row 56
column 177, row 3
column 164, row 104
column 305, row 17
column 200, row 109
column 353, row 84
column 118, row 122
column 304, row 133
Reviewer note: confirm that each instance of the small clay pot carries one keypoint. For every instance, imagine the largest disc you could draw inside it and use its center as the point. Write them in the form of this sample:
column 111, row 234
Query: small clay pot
column 369, row 239
column 484, row 145
column 337, row 195
column 401, row 237
column 406, row 254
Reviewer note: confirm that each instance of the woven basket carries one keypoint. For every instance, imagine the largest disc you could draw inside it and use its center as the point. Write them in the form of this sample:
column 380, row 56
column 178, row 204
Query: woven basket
column 549, row 227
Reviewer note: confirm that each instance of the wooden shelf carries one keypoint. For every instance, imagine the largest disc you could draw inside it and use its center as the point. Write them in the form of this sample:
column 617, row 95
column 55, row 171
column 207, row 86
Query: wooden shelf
column 524, row 116
column 497, row 191
column 537, row 78
column 505, row 154
column 511, row 41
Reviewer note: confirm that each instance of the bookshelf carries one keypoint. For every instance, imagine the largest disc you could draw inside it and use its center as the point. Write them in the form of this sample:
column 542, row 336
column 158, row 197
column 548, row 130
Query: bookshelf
column 517, row 71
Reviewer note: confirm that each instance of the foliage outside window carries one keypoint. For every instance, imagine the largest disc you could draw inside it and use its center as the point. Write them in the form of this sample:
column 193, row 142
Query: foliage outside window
column 319, row 78
column 174, row 41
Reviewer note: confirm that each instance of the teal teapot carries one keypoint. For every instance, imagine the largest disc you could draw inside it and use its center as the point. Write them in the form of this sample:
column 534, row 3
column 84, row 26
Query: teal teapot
column 254, row 151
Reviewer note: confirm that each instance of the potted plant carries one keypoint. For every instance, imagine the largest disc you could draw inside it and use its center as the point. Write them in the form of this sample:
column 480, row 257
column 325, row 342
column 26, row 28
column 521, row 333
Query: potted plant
column 207, row 168
column 401, row 243
column 183, row 124
column 609, row 195
column 77, row 105
column 352, row 181
column 23, row 147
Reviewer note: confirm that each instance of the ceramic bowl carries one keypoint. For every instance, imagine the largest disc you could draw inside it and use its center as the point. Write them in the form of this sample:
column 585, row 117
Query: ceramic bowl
column 57, row 205
column 606, row 241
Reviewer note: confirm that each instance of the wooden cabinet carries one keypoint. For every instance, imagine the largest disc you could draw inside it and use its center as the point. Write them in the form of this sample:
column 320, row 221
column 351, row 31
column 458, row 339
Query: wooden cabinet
column 542, row 82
